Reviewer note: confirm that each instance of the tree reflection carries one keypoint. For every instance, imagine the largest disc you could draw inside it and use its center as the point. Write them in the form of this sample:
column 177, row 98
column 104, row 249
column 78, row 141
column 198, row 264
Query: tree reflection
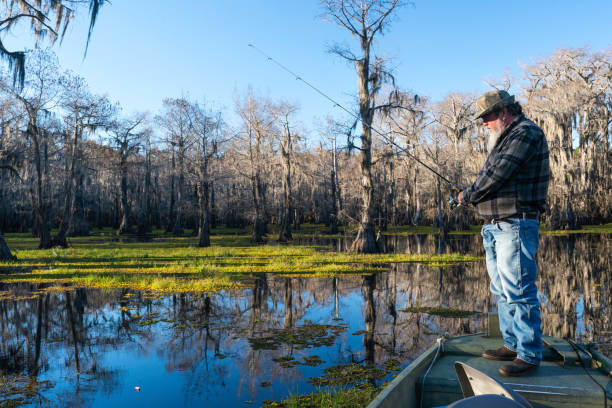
column 368, row 286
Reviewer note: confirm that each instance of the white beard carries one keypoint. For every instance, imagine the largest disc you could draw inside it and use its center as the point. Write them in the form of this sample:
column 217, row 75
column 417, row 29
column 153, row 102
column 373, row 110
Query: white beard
column 494, row 135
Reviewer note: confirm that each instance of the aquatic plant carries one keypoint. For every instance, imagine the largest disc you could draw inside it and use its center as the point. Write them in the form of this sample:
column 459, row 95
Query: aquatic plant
column 333, row 397
column 308, row 335
column 349, row 374
column 19, row 390
column 586, row 229
column 439, row 311
column 313, row 360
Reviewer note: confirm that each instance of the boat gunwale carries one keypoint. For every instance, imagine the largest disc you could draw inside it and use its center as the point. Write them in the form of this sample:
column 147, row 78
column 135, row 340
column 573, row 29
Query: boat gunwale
column 416, row 367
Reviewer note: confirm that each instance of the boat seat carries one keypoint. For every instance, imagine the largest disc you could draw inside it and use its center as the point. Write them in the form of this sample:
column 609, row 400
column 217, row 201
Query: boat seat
column 474, row 382
column 480, row 391
column 485, row 401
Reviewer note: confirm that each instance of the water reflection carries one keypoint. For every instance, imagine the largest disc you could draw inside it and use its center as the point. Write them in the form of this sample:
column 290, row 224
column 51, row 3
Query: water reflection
column 414, row 243
column 196, row 349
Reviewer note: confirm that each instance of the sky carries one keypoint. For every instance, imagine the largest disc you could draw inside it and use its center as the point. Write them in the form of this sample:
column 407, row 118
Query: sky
column 143, row 51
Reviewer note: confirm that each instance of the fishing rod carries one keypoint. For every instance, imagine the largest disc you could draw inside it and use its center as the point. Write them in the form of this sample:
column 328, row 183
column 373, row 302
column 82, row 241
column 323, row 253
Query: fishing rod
column 451, row 201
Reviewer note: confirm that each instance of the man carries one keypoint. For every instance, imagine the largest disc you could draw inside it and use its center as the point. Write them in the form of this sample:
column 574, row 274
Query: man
column 510, row 193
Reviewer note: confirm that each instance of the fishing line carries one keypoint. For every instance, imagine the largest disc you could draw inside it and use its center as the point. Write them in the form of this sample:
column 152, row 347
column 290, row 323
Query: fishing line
column 576, row 348
column 354, row 115
column 440, row 341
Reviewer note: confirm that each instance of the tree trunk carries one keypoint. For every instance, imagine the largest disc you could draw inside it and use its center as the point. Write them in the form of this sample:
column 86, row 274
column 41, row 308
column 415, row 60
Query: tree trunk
column 336, row 196
column 259, row 226
column 60, row 238
column 334, row 214
column 40, row 201
column 124, row 228
column 144, row 214
column 416, row 220
column 79, row 226
column 46, row 241
column 213, row 208
column 390, row 202
column 285, row 227
column 441, row 221
column 203, row 225
column 5, row 252
column 365, row 241
column 296, row 219
column 259, row 229
column 172, row 195
column 178, row 222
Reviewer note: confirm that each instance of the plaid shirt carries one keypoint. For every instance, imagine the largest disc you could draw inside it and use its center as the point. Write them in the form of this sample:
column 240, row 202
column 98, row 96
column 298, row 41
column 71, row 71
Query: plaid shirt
column 514, row 179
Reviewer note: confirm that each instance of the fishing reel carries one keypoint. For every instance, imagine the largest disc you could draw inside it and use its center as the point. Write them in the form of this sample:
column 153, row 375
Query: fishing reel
column 452, row 203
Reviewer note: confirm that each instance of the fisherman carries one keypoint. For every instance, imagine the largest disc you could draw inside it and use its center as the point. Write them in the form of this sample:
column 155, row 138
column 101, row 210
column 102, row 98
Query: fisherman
column 510, row 193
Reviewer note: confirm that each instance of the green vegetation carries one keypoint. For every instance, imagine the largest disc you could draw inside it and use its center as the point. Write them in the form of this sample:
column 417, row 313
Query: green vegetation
column 16, row 391
column 313, row 360
column 163, row 263
column 338, row 397
column 310, row 230
column 307, row 335
column 345, row 385
column 439, row 311
column 350, row 374
column 586, row 229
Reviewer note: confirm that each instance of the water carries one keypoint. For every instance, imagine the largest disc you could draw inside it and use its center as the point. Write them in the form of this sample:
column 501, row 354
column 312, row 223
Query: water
column 91, row 348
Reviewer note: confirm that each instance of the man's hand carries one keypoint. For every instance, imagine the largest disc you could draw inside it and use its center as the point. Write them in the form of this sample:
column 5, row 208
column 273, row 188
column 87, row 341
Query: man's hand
column 460, row 199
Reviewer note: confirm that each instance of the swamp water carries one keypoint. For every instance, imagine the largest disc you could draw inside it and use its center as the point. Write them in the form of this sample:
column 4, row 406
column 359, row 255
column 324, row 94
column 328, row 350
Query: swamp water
column 103, row 348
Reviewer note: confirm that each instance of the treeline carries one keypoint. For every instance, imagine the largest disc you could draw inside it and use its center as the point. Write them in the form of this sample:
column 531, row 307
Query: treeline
column 72, row 161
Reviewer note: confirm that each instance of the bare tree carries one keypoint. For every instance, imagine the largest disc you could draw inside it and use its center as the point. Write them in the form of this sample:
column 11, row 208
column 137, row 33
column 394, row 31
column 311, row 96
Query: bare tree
column 258, row 127
column 144, row 215
column 11, row 148
column 453, row 123
column 335, row 187
column 207, row 128
column 435, row 152
column 85, row 112
column 285, row 111
column 127, row 135
column 267, row 170
column 40, row 14
column 175, row 120
column 411, row 122
column 569, row 94
column 331, row 133
column 36, row 100
column 364, row 20
column 454, row 114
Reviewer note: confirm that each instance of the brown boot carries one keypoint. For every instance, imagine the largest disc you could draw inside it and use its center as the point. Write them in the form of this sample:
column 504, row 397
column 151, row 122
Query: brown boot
column 517, row 368
column 502, row 354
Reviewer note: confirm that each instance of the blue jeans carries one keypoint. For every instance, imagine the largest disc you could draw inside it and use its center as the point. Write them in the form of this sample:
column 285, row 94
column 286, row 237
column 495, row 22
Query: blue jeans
column 510, row 252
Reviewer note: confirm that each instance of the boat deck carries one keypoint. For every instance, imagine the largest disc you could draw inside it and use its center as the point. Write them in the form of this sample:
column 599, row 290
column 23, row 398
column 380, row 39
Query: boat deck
column 560, row 381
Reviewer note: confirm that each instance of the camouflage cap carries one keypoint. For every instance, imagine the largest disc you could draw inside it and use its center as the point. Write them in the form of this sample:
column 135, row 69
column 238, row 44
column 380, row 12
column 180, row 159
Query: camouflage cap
column 491, row 101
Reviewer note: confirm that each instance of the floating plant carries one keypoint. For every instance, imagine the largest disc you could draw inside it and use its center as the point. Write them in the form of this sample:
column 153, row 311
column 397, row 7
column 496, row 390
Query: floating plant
column 308, row 335
column 439, row 311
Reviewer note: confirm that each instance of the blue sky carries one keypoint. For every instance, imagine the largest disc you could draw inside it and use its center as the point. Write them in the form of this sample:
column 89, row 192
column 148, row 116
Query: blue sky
column 145, row 50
